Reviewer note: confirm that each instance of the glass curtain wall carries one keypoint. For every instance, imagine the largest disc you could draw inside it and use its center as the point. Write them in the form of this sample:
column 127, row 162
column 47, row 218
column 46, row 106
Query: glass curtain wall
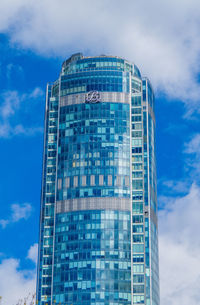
column 98, row 223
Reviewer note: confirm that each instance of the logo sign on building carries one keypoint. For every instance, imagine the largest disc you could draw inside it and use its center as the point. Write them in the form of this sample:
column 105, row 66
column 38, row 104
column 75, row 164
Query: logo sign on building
column 93, row 97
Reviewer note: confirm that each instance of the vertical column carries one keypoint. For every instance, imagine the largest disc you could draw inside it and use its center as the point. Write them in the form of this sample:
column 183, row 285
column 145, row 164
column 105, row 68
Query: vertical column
column 146, row 196
column 151, row 226
column 137, row 195
column 47, row 200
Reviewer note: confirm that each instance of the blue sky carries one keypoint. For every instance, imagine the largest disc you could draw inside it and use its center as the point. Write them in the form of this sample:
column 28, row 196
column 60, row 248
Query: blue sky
column 163, row 40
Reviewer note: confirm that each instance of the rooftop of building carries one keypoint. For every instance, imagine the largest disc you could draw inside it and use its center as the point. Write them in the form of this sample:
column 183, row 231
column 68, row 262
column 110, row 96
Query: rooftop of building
column 89, row 62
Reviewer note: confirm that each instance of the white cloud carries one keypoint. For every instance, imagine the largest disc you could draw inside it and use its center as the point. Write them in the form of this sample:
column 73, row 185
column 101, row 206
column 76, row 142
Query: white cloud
column 16, row 283
column 33, row 253
column 180, row 249
column 12, row 105
column 162, row 37
column 18, row 212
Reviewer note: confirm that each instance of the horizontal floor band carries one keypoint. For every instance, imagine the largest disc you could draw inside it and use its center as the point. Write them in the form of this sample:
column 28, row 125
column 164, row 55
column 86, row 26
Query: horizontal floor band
column 109, row 97
column 94, row 203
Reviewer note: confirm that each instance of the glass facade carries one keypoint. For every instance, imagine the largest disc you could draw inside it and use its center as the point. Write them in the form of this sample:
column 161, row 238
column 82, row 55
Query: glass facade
column 92, row 258
column 98, row 223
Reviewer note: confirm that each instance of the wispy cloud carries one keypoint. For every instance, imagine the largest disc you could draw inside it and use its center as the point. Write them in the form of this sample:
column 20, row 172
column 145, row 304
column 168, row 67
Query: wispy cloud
column 12, row 105
column 14, row 70
column 18, row 212
column 4, row 223
column 189, row 171
column 193, row 146
column 192, row 156
column 162, row 37
column 7, row 131
column 176, row 187
column 11, row 102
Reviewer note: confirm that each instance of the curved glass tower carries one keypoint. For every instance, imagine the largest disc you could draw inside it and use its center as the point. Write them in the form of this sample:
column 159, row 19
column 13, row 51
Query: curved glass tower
column 98, row 223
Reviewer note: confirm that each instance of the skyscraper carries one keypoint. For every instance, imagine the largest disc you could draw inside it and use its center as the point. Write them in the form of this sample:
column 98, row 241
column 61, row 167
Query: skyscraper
column 98, row 224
